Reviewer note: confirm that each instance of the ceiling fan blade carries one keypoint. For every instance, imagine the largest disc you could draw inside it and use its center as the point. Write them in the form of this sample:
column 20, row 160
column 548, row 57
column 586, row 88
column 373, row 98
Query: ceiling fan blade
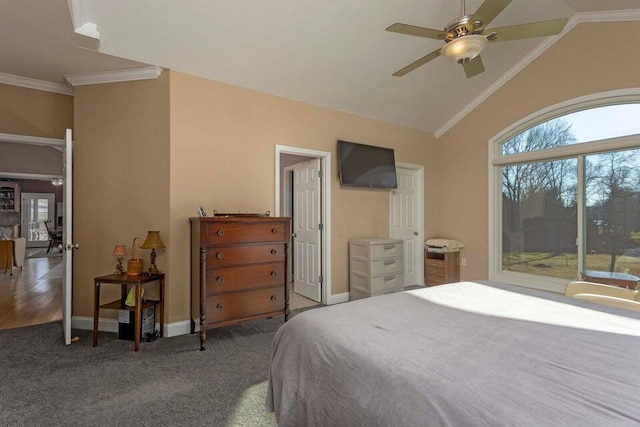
column 525, row 31
column 473, row 67
column 412, row 30
column 487, row 12
column 420, row 62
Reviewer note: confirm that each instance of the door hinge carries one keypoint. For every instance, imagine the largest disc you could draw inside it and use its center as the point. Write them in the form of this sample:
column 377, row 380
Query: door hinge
column 320, row 279
column 321, row 227
column 319, row 174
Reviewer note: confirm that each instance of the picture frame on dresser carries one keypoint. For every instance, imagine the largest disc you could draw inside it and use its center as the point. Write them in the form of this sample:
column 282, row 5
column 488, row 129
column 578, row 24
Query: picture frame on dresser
column 202, row 212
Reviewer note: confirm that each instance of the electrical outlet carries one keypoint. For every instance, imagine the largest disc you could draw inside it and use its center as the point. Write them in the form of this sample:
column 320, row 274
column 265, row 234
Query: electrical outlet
column 463, row 261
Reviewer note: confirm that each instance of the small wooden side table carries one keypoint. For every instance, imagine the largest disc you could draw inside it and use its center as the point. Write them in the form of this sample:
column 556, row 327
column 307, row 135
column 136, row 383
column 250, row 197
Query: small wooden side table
column 124, row 280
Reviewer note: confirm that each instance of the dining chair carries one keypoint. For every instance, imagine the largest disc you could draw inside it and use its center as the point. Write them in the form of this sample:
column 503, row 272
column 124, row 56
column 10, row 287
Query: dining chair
column 54, row 238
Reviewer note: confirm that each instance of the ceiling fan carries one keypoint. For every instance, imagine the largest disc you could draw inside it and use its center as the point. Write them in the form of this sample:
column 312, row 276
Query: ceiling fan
column 465, row 37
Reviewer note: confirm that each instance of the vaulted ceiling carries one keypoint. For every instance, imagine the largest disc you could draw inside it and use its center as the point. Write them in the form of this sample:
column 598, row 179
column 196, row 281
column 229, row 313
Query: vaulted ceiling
column 335, row 54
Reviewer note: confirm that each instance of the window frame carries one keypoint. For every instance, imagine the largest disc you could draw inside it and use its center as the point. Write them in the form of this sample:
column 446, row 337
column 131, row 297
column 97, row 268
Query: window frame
column 578, row 151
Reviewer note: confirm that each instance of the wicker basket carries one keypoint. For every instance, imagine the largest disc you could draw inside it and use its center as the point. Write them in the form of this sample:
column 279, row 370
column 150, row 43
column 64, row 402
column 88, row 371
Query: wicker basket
column 134, row 265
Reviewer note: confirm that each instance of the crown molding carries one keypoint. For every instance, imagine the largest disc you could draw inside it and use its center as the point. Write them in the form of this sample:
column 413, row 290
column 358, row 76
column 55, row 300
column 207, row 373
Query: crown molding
column 142, row 73
column 578, row 18
column 28, row 83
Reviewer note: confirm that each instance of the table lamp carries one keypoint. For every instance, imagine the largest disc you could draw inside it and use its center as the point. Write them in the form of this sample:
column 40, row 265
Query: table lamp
column 119, row 251
column 152, row 242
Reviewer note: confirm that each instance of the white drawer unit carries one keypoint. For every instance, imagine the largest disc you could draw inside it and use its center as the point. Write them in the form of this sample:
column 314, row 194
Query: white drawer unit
column 376, row 267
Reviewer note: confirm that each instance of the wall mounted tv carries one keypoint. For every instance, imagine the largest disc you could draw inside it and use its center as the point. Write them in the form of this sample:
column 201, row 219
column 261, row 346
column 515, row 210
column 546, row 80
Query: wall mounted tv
column 361, row 165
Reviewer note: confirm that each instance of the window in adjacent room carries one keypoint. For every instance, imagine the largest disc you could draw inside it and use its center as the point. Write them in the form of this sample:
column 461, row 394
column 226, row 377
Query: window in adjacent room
column 567, row 197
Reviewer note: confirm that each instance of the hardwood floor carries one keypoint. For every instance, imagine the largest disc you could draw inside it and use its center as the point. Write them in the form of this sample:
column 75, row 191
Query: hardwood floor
column 32, row 296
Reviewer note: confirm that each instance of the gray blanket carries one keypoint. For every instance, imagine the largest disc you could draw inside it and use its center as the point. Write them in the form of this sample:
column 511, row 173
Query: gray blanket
column 414, row 359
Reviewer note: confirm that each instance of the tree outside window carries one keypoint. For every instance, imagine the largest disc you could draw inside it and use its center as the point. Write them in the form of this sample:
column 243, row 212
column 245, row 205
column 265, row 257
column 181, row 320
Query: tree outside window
column 540, row 205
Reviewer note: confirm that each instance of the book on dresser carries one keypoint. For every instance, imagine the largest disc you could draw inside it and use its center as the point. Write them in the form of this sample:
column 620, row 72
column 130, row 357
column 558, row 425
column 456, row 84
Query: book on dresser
column 238, row 270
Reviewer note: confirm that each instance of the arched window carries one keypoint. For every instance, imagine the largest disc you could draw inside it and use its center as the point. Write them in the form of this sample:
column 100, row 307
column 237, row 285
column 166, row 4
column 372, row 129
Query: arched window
column 566, row 194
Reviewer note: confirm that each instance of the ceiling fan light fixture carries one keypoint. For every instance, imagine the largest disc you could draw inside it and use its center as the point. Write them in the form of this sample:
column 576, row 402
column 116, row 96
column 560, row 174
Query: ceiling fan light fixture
column 465, row 48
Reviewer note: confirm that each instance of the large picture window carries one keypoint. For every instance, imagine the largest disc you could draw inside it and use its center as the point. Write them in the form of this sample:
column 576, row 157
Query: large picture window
column 566, row 197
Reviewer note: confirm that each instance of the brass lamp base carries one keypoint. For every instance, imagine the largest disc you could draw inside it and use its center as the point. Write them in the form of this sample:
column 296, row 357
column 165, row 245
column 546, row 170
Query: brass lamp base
column 153, row 268
column 119, row 267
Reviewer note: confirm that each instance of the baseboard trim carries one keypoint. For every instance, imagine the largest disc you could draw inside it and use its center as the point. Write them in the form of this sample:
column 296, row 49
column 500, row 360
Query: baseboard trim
column 339, row 298
column 111, row 325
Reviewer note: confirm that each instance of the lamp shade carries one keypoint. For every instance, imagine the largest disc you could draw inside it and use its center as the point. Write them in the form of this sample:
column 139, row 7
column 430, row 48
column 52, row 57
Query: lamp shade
column 119, row 250
column 152, row 241
column 464, row 48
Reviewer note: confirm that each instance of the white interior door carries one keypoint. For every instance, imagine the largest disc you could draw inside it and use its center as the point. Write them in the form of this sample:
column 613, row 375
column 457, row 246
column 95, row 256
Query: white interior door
column 306, row 229
column 405, row 217
column 36, row 209
column 67, row 237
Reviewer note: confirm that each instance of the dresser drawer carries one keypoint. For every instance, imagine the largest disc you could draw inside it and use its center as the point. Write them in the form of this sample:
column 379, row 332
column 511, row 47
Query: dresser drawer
column 368, row 284
column 388, row 249
column 434, row 263
column 244, row 277
column 244, row 254
column 224, row 233
column 379, row 266
column 434, row 273
column 236, row 305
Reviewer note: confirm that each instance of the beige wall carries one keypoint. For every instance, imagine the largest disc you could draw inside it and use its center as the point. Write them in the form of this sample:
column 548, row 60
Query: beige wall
column 222, row 157
column 121, row 179
column 581, row 63
column 34, row 112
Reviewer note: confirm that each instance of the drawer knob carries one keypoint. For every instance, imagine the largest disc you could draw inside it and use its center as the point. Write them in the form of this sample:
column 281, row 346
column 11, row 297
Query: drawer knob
column 220, row 233
column 219, row 279
column 274, row 274
column 220, row 307
column 273, row 252
column 219, row 255
column 274, row 231
column 273, row 298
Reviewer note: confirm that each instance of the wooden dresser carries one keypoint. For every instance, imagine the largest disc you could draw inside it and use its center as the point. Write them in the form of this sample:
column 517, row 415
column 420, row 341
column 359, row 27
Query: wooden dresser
column 238, row 270
column 441, row 267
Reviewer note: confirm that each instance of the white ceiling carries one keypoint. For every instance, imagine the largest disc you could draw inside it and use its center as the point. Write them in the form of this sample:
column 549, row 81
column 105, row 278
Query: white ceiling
column 335, row 54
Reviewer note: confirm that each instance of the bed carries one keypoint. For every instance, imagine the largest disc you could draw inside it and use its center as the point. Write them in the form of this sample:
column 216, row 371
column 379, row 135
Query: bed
column 462, row 354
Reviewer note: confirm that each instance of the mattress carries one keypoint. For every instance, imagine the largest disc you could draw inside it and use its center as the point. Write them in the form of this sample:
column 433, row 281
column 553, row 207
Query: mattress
column 462, row 354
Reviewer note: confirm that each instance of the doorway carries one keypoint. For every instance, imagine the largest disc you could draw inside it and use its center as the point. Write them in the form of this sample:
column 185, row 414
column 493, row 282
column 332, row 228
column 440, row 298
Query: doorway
column 39, row 285
column 37, row 208
column 286, row 159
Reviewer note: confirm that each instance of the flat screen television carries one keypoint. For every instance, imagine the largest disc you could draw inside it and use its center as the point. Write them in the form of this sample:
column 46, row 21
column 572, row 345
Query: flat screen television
column 361, row 165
